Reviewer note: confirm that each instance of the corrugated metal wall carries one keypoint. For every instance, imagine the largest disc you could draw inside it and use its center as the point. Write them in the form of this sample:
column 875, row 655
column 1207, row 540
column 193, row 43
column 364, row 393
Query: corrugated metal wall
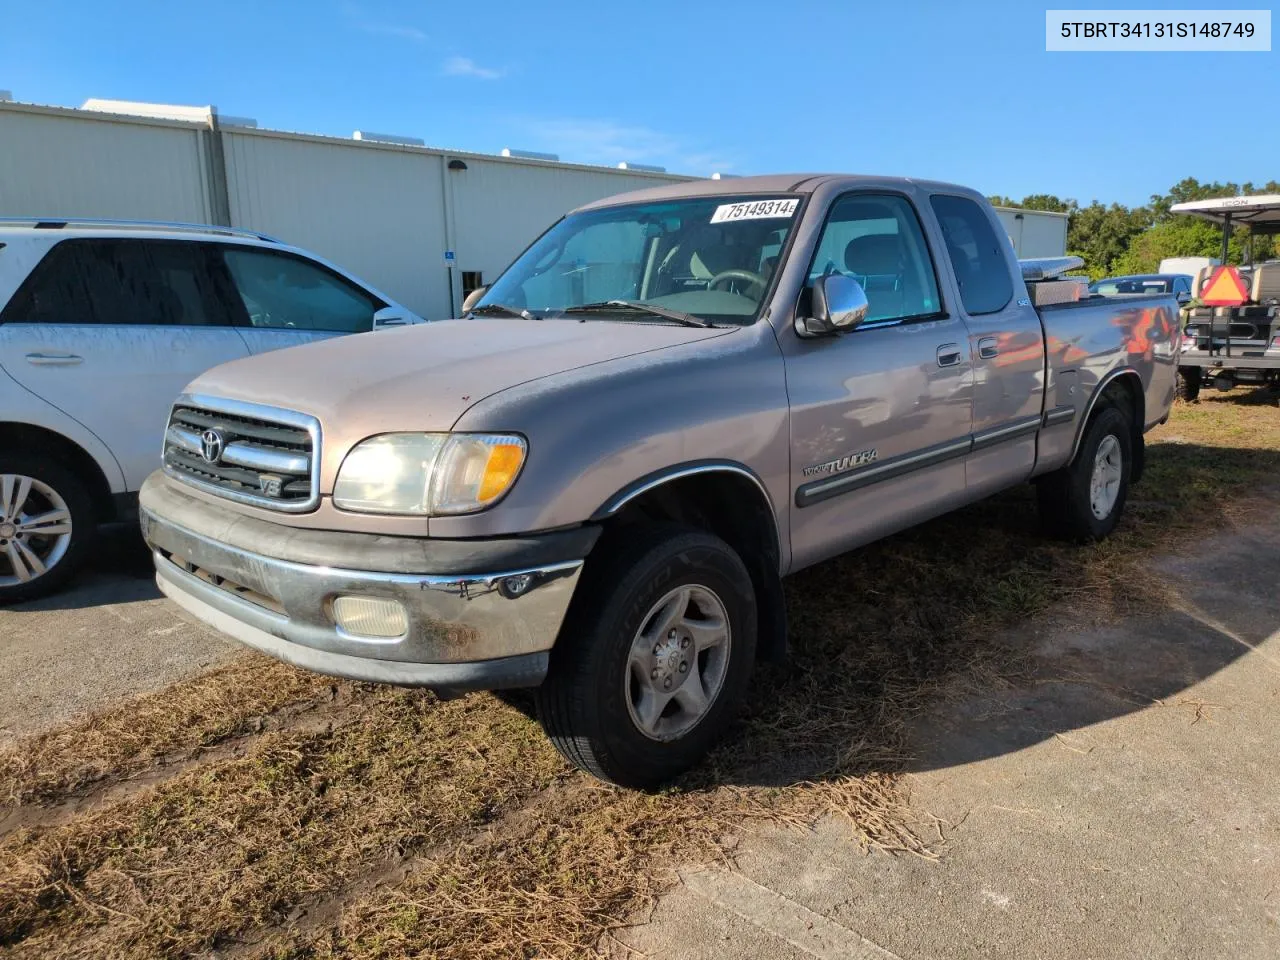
column 377, row 212
column 388, row 213
column 1035, row 233
column 385, row 212
column 74, row 163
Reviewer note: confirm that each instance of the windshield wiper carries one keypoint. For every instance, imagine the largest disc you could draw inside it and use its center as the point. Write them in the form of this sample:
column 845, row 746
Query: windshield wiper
column 501, row 310
column 604, row 306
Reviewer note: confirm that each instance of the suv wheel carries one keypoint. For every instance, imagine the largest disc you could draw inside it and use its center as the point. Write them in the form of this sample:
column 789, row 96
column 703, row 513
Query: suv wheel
column 46, row 524
column 1084, row 500
column 651, row 667
column 1189, row 379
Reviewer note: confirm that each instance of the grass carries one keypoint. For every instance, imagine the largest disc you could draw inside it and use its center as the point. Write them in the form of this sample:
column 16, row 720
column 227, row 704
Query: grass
column 484, row 844
column 138, row 733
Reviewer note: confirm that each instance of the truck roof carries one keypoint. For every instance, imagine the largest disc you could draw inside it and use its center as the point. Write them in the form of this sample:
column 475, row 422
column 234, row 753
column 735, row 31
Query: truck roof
column 773, row 183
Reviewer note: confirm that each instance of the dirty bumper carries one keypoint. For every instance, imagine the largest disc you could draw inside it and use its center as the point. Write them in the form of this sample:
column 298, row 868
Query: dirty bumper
column 466, row 631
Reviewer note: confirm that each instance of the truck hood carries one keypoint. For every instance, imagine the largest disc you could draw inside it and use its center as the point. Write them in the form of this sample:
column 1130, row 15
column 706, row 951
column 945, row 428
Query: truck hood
column 423, row 378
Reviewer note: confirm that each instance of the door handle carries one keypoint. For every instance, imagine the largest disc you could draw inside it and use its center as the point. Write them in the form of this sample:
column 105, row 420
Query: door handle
column 53, row 359
column 948, row 355
column 988, row 348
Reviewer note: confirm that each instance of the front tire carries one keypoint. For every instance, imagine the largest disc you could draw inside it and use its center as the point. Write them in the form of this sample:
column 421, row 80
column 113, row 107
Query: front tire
column 1189, row 380
column 653, row 664
column 47, row 524
column 1084, row 500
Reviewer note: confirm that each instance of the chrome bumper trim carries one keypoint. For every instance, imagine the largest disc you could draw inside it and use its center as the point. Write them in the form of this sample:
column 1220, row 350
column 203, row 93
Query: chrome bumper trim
column 452, row 619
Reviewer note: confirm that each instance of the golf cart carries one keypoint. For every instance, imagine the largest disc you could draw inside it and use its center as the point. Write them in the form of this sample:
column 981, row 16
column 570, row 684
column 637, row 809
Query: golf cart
column 1232, row 325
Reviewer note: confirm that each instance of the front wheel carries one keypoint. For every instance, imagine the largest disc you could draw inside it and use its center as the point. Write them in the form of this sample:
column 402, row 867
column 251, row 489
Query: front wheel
column 46, row 525
column 651, row 667
column 1189, row 379
column 1084, row 500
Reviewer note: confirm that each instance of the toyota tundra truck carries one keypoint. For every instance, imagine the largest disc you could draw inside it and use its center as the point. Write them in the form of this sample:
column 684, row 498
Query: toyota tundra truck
column 593, row 482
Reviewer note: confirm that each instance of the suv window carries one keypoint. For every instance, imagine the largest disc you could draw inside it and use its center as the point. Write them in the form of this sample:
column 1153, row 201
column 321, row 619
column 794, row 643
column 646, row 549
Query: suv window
column 976, row 254
column 124, row 282
column 877, row 240
column 283, row 291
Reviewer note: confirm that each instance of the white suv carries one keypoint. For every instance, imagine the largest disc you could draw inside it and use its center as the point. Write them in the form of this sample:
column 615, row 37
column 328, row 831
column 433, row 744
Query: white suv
column 102, row 323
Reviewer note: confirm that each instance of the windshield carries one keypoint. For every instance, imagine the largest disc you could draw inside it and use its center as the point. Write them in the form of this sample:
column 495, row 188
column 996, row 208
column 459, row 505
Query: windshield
column 1132, row 285
column 713, row 258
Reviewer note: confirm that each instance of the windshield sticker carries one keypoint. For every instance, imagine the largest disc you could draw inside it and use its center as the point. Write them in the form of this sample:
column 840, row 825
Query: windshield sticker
column 755, row 210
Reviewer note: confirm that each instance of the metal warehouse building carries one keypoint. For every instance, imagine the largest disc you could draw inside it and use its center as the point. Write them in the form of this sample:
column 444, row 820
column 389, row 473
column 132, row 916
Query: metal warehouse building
column 387, row 208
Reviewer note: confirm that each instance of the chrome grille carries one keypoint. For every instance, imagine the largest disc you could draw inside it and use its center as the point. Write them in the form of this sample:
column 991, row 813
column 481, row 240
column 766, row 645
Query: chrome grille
column 245, row 452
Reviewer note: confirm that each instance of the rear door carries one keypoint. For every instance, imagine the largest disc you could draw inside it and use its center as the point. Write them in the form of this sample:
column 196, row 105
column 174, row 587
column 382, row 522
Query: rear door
column 1006, row 342
column 110, row 330
column 880, row 416
column 287, row 300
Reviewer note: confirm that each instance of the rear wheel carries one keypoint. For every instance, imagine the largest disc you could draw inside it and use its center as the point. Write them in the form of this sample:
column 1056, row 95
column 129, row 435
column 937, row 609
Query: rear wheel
column 1084, row 500
column 46, row 525
column 651, row 667
column 1189, row 379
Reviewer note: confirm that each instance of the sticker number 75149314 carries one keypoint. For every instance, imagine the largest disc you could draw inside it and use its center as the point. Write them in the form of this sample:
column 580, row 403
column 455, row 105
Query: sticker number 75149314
column 755, row 210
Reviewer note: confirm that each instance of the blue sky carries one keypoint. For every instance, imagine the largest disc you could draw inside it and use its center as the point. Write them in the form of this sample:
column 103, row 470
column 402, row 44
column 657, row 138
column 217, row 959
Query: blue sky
column 954, row 91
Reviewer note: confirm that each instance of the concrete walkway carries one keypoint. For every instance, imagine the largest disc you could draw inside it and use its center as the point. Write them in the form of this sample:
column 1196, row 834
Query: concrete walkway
column 108, row 635
column 1127, row 804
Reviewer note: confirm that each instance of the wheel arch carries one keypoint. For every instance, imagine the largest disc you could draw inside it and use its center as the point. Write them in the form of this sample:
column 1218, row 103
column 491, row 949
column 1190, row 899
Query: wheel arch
column 724, row 498
column 29, row 437
column 1122, row 388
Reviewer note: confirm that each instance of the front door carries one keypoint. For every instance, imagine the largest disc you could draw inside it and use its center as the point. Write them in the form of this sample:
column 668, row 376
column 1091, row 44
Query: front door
column 881, row 416
column 1007, row 344
column 289, row 301
column 109, row 331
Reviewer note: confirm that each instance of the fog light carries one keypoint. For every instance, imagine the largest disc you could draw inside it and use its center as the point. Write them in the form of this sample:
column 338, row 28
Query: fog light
column 370, row 617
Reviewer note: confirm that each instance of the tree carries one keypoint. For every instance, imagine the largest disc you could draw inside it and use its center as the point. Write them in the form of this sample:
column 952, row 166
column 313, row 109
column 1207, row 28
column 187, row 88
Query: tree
column 1117, row 239
column 1101, row 234
column 1176, row 237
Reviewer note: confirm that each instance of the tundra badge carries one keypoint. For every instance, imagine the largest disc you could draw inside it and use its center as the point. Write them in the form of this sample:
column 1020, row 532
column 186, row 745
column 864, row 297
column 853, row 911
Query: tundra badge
column 861, row 458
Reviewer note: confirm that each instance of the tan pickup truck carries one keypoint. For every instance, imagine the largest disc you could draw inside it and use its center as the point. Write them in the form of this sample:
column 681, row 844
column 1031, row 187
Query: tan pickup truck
column 594, row 482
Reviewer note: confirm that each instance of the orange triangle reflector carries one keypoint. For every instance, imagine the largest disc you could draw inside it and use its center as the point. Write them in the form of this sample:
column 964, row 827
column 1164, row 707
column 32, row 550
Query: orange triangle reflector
column 1224, row 289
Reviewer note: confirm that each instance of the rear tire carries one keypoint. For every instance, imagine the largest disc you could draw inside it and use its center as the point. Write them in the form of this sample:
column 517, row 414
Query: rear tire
column 47, row 525
column 1084, row 500
column 1189, row 379
column 653, row 663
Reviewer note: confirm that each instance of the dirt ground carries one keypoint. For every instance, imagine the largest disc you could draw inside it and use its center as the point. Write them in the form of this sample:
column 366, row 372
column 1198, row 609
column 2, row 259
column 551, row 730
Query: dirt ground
column 983, row 744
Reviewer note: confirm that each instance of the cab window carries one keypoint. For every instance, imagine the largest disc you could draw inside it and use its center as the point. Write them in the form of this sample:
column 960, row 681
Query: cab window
column 976, row 253
column 877, row 240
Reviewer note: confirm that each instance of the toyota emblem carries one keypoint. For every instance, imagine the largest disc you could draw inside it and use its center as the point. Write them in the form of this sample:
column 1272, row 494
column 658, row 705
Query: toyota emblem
column 211, row 444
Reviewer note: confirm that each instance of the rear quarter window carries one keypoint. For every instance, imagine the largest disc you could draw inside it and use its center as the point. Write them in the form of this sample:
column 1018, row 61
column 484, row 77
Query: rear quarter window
column 976, row 254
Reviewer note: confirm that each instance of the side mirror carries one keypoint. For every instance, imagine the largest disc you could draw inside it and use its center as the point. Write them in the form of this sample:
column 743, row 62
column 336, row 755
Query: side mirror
column 391, row 317
column 473, row 298
column 838, row 305
column 1184, row 297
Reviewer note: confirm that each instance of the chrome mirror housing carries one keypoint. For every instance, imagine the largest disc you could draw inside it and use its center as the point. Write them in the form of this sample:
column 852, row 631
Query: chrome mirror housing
column 838, row 305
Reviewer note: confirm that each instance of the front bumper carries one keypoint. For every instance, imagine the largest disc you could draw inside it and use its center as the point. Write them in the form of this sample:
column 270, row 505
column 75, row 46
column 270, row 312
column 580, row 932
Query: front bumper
column 468, row 630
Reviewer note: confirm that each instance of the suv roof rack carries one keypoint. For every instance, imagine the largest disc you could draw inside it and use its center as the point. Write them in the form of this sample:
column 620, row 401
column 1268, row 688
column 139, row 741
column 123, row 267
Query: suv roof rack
column 58, row 223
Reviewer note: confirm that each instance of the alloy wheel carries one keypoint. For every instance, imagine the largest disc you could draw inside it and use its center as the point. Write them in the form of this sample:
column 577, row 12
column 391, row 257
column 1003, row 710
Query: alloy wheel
column 35, row 529
column 678, row 662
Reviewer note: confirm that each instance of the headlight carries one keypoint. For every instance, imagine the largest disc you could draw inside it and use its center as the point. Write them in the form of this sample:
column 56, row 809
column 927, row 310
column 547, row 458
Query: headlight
column 428, row 474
